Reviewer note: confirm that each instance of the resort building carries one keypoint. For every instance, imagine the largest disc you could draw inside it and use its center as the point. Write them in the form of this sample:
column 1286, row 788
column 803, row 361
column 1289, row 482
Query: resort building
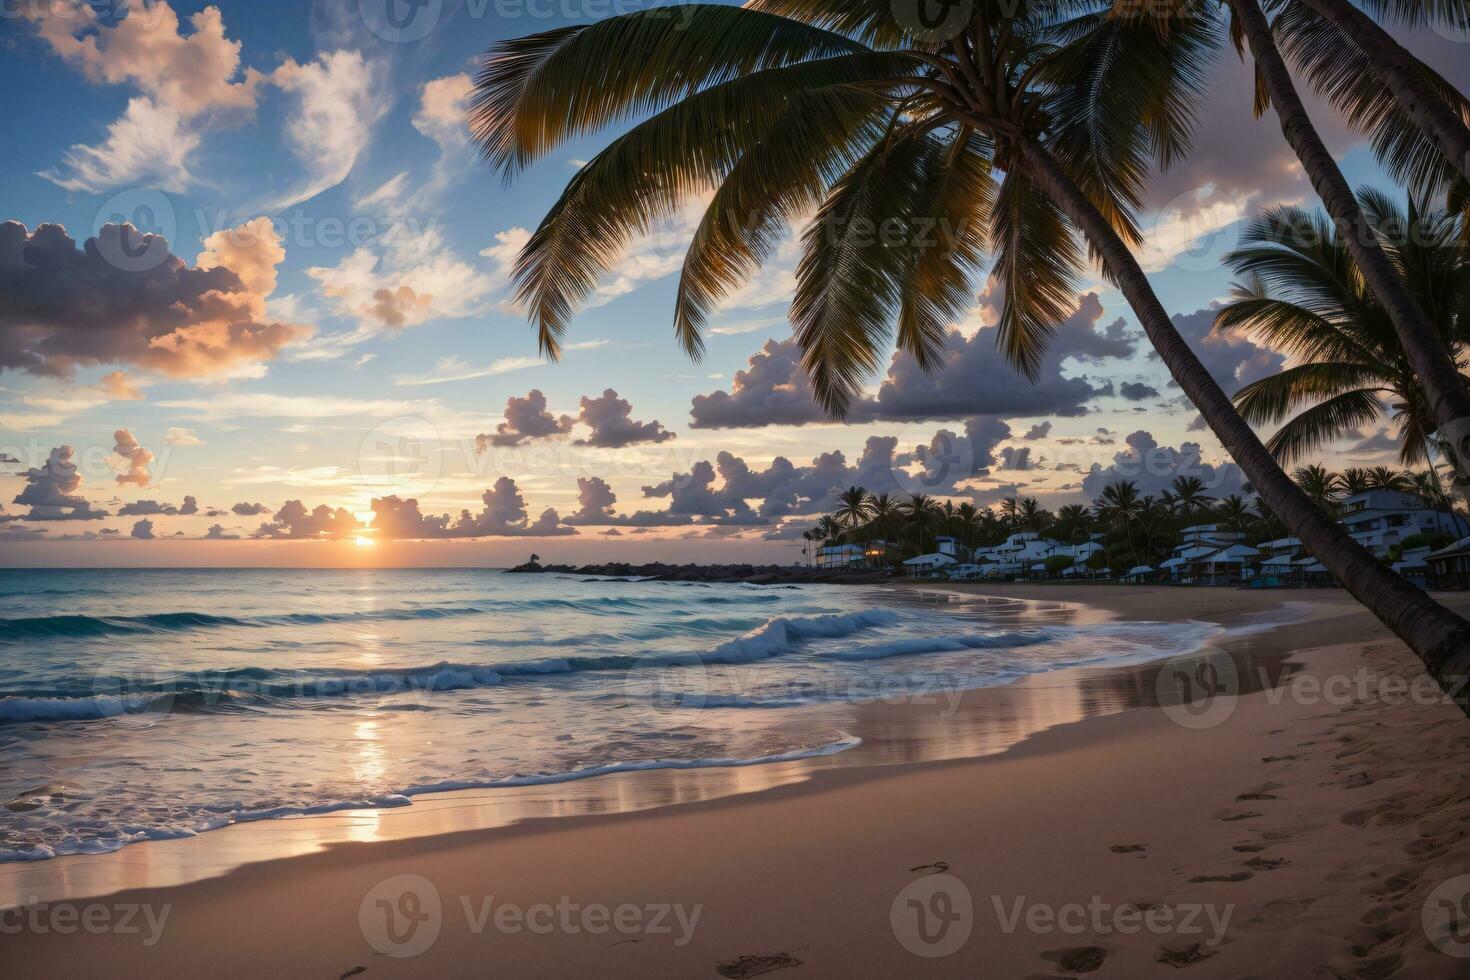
column 1379, row 519
column 929, row 566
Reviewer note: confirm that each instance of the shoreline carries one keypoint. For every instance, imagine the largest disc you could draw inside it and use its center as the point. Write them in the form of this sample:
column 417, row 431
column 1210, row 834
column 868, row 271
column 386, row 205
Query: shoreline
column 211, row 852
column 1057, row 748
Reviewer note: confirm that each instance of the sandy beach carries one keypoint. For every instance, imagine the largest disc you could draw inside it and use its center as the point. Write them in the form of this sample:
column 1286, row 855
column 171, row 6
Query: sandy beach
column 1297, row 823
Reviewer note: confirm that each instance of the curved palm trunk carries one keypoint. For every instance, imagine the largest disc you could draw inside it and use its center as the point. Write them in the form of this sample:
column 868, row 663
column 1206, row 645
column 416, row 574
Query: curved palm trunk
column 1400, row 72
column 1438, row 636
column 1436, row 370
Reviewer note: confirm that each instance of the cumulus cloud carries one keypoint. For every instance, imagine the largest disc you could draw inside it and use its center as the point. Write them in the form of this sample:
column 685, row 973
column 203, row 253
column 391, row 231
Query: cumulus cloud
column 293, row 520
column 62, row 306
column 503, row 514
column 973, row 379
column 186, row 83
column 1017, row 458
column 146, row 508
column 1231, row 357
column 247, row 509
column 217, row 532
column 595, row 500
column 730, row 491
column 610, row 419
column 1137, row 391
column 135, row 457
column 143, row 530
column 51, row 491
column 1153, row 467
column 412, row 276
column 1038, row 431
column 525, row 418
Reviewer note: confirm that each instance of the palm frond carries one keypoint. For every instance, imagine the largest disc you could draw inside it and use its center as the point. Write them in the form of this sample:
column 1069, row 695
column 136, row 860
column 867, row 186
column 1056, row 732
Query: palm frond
column 533, row 93
column 1323, row 423
column 1036, row 261
column 848, row 279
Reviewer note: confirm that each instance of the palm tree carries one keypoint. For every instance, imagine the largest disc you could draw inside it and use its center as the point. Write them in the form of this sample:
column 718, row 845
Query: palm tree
column 1189, row 496
column 1236, row 514
column 1426, row 484
column 1354, row 480
column 829, row 530
column 1322, row 487
column 1031, row 515
column 1387, row 478
column 854, row 508
column 1383, row 88
column 809, row 536
column 1010, row 508
column 1073, row 523
column 882, row 510
column 1449, row 399
column 1303, row 294
column 967, row 517
column 1006, row 135
column 1120, row 505
column 920, row 509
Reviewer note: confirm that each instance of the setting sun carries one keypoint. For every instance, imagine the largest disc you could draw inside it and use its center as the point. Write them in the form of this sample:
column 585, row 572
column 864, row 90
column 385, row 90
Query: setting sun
column 364, row 542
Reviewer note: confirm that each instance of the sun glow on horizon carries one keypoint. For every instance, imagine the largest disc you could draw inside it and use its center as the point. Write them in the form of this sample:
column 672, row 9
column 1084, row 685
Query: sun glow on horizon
column 363, row 542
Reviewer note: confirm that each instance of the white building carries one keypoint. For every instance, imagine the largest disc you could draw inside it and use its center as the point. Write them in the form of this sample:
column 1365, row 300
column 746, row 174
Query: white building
column 1379, row 519
column 929, row 566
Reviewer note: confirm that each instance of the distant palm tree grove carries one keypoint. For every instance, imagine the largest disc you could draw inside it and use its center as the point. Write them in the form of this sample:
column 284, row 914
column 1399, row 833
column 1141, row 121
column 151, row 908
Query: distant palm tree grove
column 1134, row 529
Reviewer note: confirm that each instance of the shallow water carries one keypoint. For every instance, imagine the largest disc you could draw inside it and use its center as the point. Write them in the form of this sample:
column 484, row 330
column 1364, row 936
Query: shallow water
column 139, row 705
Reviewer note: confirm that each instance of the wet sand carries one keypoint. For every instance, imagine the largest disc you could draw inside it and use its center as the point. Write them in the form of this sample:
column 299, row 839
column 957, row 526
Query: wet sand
column 1295, row 823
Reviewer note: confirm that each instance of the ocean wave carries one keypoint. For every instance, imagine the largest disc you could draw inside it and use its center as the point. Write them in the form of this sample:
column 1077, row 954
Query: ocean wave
column 942, row 644
column 82, row 626
column 235, row 689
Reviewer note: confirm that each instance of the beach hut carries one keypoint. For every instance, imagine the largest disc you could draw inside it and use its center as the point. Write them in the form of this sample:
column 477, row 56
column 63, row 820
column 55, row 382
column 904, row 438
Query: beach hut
column 929, row 566
column 1139, row 573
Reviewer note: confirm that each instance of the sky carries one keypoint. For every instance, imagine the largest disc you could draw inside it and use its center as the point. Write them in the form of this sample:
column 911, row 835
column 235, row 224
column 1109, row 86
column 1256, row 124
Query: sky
column 307, row 353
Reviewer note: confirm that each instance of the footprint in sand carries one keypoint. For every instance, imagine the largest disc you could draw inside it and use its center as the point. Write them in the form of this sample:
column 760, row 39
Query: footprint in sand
column 1233, row 817
column 1076, row 959
column 1278, row 758
column 1183, row 955
column 1237, row 876
column 754, row 966
column 1250, row 848
column 1266, row 864
column 1128, row 848
column 1243, row 797
column 937, row 868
